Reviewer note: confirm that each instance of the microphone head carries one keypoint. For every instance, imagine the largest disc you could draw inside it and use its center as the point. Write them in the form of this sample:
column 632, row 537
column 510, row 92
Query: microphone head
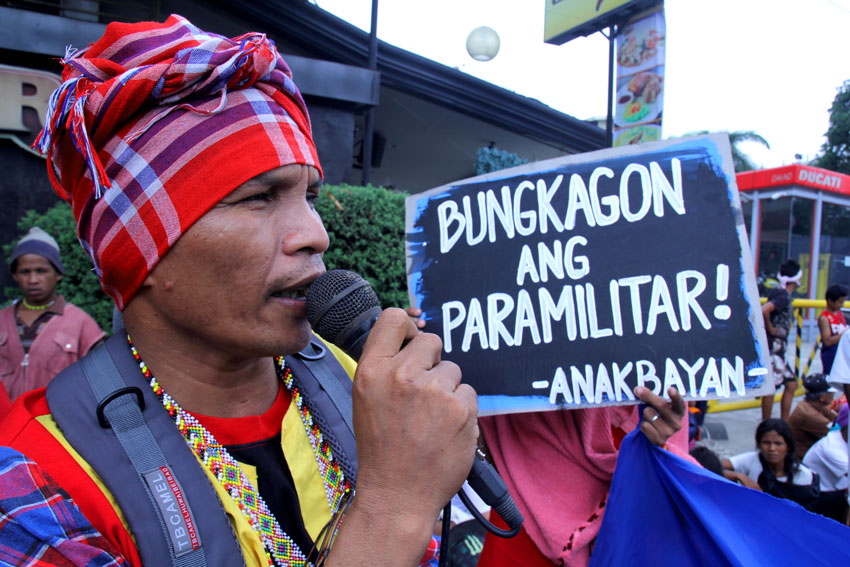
column 335, row 300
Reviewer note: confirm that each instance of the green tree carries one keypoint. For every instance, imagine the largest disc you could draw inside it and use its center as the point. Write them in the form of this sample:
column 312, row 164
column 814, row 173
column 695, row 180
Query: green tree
column 740, row 159
column 835, row 152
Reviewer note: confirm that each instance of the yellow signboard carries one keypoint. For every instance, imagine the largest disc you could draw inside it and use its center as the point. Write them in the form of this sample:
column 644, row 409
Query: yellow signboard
column 568, row 19
column 823, row 276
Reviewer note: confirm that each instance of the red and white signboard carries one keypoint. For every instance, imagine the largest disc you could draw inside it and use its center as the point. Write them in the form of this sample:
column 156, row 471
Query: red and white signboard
column 797, row 174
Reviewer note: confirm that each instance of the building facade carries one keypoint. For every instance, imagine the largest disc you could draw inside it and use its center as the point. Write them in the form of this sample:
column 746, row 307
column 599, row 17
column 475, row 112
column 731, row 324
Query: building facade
column 799, row 212
column 429, row 119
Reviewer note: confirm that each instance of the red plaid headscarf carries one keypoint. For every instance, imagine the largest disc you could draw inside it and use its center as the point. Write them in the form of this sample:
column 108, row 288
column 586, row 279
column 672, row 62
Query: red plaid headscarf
column 153, row 125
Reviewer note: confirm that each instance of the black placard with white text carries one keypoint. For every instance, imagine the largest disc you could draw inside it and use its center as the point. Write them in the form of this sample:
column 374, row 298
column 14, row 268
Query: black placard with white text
column 568, row 282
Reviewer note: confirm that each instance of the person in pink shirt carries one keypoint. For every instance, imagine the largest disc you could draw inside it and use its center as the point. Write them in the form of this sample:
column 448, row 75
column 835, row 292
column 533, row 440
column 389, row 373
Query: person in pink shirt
column 40, row 334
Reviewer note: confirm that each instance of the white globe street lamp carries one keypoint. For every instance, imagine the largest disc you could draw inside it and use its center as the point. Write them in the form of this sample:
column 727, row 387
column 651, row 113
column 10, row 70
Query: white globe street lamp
column 482, row 43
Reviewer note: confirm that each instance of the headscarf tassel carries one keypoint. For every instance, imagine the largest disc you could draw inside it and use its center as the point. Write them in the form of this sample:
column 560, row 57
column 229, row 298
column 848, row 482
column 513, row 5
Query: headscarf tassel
column 66, row 109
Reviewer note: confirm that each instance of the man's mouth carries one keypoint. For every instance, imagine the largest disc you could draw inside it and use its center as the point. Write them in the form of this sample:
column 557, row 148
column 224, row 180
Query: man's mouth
column 298, row 293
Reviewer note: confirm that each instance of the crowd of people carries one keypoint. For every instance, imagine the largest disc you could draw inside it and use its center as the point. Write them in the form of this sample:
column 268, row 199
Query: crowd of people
column 803, row 455
column 817, row 481
column 210, row 391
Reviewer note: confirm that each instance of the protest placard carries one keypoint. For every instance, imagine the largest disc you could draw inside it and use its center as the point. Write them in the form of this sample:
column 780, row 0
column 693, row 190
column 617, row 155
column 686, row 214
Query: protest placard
column 566, row 283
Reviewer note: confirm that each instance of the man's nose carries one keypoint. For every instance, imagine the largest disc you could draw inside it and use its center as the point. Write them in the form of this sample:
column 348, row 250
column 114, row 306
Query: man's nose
column 308, row 234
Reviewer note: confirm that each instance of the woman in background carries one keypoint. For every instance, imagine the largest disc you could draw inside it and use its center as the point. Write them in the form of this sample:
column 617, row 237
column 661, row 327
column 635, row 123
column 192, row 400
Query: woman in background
column 774, row 468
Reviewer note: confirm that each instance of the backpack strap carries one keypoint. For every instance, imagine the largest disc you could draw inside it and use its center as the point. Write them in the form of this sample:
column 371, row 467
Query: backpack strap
column 110, row 415
column 326, row 388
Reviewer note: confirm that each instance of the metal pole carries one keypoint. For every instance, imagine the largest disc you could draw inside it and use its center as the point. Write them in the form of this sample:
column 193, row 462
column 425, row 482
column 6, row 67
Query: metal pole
column 814, row 259
column 755, row 230
column 609, row 126
column 369, row 129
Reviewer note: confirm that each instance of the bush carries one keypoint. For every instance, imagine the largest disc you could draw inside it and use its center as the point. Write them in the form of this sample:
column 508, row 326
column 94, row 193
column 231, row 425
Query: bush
column 366, row 230
column 79, row 284
column 365, row 225
column 493, row 159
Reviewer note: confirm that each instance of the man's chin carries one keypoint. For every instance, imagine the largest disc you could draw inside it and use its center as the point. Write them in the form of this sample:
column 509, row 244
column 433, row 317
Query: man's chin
column 296, row 342
column 303, row 344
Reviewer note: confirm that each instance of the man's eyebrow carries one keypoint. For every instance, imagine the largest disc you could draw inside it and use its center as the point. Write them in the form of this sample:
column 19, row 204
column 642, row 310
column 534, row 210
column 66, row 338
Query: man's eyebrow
column 274, row 178
column 268, row 178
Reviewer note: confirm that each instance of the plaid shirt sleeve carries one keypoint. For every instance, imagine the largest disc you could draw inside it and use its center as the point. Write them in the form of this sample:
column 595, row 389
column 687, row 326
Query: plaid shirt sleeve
column 40, row 526
column 432, row 554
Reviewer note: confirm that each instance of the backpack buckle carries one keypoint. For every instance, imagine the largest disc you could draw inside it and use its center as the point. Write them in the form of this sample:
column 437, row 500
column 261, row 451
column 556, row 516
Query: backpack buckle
column 140, row 401
column 313, row 351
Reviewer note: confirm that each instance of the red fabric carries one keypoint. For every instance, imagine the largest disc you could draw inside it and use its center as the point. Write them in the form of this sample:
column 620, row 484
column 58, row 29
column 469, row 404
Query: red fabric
column 23, row 433
column 251, row 428
column 41, row 527
column 5, row 402
column 835, row 320
column 617, row 435
column 156, row 123
column 558, row 467
column 518, row 550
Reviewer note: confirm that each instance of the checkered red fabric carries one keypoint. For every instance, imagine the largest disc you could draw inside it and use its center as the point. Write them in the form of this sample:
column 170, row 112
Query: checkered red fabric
column 40, row 526
column 153, row 125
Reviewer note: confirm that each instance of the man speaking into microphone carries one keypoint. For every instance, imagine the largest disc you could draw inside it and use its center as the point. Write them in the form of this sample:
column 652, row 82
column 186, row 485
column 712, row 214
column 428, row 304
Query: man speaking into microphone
column 197, row 436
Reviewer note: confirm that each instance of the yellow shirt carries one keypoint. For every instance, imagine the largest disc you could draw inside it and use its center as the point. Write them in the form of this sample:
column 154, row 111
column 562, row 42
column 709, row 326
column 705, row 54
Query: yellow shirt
column 303, row 465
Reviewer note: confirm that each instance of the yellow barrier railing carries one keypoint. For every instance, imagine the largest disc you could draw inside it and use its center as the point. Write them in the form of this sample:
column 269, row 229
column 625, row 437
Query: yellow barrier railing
column 799, row 305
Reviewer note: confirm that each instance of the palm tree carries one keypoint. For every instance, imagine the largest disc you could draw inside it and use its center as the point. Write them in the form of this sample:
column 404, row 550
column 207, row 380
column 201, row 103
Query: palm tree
column 741, row 160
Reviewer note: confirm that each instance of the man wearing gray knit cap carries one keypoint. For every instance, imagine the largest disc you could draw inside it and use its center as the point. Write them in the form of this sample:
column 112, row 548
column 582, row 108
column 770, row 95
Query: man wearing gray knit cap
column 40, row 334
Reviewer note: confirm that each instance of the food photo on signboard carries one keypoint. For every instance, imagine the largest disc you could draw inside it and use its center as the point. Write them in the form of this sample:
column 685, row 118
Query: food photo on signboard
column 639, row 97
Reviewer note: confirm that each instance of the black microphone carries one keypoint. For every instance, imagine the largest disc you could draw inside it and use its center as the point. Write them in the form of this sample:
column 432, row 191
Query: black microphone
column 342, row 308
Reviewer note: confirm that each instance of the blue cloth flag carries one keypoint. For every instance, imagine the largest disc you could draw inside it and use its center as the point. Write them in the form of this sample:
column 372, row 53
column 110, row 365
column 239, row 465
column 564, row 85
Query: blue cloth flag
column 664, row 510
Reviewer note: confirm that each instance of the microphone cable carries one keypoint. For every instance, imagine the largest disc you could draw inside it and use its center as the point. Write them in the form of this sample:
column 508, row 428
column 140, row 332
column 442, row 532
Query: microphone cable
column 488, row 525
column 490, row 487
column 342, row 308
column 487, row 483
column 444, row 534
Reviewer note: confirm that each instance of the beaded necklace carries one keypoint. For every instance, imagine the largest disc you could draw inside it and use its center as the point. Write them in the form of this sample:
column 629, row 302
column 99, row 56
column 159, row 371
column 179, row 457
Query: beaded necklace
column 336, row 485
column 37, row 307
column 281, row 550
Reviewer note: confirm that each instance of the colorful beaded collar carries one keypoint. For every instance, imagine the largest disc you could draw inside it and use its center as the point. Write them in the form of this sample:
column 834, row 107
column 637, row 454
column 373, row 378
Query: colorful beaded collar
column 281, row 550
column 37, row 307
